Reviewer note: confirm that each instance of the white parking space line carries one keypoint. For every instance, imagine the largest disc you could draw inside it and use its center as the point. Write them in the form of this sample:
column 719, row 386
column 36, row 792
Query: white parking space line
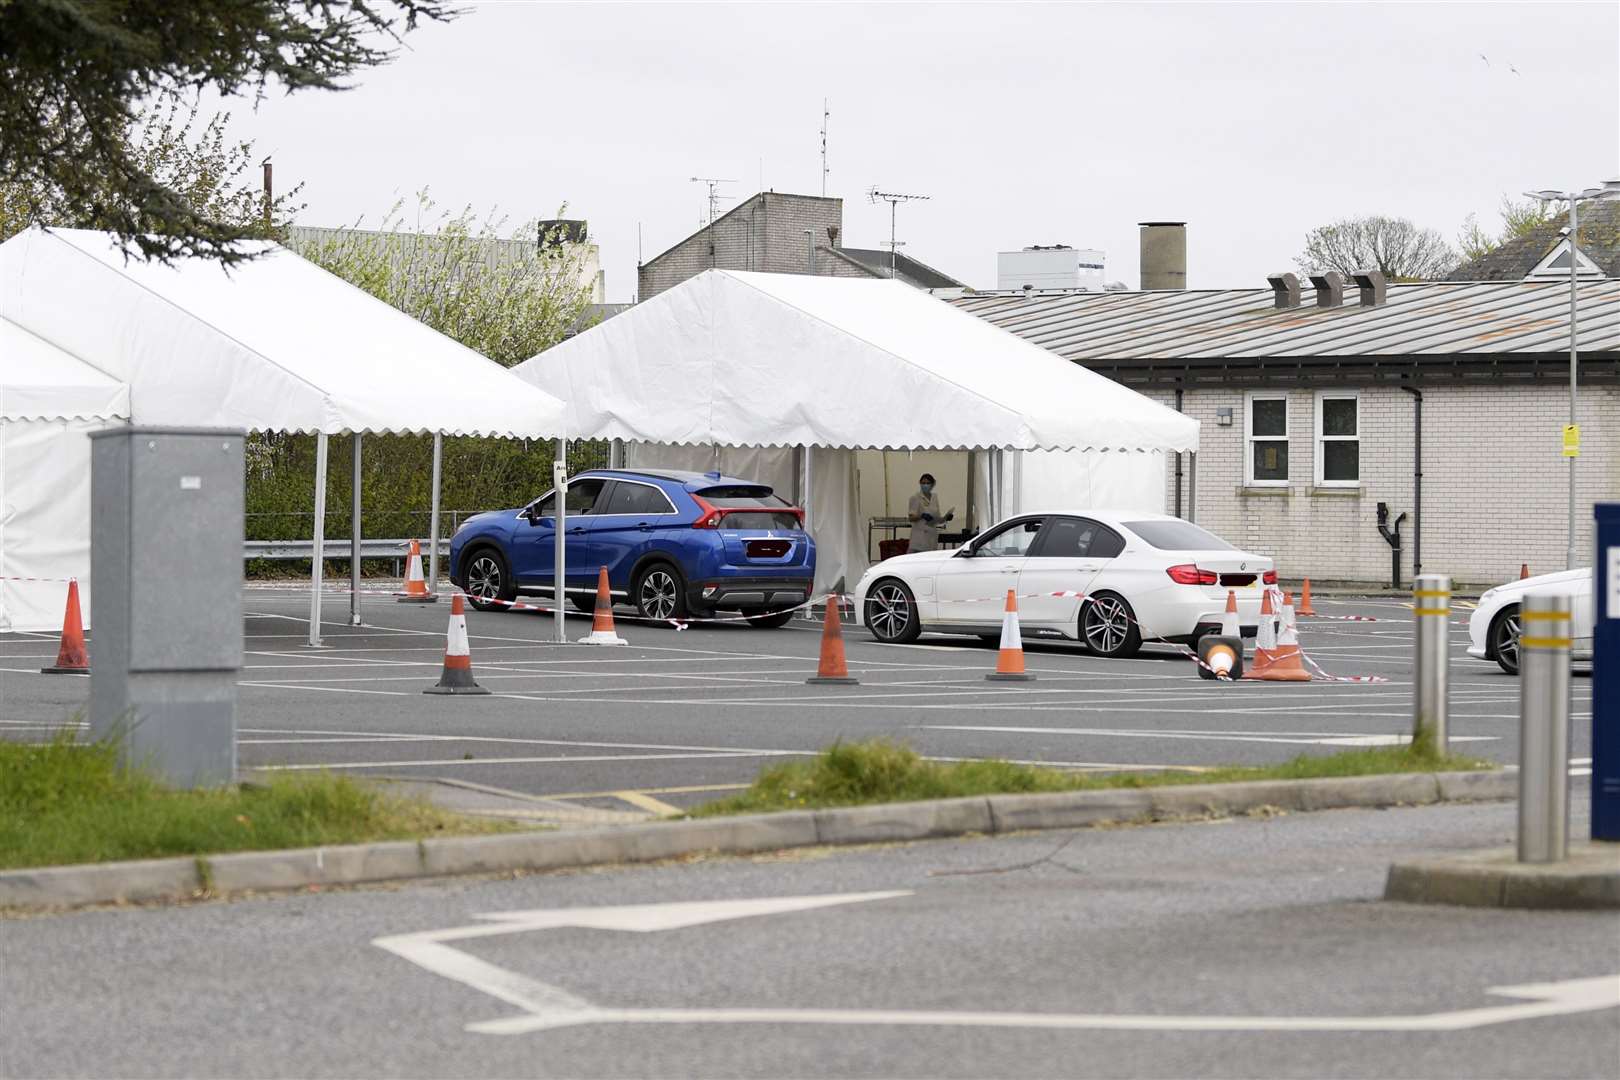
column 1305, row 738
column 515, row 741
column 478, row 762
column 328, row 689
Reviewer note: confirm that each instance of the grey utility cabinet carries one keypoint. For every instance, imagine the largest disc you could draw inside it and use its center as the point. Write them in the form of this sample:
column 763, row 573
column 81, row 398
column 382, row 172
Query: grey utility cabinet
column 166, row 611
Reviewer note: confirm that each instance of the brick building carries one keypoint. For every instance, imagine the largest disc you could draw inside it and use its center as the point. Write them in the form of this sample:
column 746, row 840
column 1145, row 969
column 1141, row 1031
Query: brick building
column 781, row 233
column 1311, row 403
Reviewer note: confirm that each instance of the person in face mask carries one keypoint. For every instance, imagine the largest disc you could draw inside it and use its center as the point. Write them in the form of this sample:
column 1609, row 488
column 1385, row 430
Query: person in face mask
column 923, row 513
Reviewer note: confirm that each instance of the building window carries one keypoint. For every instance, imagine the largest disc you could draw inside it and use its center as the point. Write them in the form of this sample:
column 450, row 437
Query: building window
column 1265, row 422
column 1338, row 439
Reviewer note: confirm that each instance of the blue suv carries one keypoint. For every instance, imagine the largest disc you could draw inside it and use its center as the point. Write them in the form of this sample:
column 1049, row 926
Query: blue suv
column 676, row 545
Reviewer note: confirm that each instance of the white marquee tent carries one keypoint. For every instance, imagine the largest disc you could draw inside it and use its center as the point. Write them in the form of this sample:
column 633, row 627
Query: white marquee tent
column 49, row 401
column 273, row 344
column 734, row 370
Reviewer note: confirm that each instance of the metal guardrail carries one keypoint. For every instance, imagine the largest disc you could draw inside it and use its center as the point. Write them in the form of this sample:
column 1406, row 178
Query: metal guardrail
column 336, row 550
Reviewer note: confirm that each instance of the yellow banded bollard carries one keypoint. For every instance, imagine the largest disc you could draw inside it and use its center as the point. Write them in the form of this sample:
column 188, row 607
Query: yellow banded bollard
column 1544, row 640
column 1431, row 617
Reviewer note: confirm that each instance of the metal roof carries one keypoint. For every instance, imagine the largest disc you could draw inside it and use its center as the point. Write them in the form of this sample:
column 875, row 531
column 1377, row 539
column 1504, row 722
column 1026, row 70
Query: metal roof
column 1485, row 319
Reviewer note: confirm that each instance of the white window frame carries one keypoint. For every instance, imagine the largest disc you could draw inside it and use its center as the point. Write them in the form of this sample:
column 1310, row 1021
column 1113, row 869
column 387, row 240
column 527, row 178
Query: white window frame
column 1249, row 437
column 1321, row 456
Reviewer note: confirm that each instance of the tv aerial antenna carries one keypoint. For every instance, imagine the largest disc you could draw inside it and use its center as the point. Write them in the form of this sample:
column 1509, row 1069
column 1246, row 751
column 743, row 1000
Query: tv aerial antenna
column 715, row 196
column 826, row 114
column 894, row 199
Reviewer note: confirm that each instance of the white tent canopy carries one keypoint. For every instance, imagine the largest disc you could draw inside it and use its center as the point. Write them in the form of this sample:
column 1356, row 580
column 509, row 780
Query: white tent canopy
column 49, row 401
column 731, row 358
column 272, row 344
column 735, row 359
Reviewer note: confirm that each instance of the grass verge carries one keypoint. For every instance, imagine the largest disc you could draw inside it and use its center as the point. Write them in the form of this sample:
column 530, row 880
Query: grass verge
column 70, row 802
column 879, row 771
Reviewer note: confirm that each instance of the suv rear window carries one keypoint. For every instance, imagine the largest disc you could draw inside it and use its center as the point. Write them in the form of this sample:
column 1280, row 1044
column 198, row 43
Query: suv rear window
column 764, row 519
column 1177, row 536
column 747, row 495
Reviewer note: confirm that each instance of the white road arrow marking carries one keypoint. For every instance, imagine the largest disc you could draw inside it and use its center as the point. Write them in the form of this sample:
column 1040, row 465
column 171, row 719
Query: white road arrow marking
column 550, row 1007
column 557, row 1007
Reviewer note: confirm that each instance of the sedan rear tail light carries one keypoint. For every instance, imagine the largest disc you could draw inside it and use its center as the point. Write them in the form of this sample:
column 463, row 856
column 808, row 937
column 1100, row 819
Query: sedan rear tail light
column 1188, row 574
column 1269, row 577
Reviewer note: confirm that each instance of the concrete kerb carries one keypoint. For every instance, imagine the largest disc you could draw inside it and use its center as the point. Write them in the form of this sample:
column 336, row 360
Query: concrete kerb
column 1589, row 879
column 360, row 864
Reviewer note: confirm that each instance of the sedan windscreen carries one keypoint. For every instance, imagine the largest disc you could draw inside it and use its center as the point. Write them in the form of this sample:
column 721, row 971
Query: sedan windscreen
column 1177, row 536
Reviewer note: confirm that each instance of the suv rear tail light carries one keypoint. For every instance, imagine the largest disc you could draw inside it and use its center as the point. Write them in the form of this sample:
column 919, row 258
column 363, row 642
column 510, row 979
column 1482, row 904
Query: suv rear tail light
column 1188, row 574
column 1269, row 577
column 713, row 516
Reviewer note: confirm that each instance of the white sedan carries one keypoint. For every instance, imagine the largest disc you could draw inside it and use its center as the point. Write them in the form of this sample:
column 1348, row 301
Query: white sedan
column 1141, row 576
column 1493, row 629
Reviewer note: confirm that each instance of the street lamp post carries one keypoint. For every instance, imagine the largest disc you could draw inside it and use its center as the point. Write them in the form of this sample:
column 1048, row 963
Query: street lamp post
column 1608, row 191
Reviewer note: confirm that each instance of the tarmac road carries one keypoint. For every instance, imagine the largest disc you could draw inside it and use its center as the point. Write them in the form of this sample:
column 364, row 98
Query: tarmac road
column 680, row 717
column 1250, row 920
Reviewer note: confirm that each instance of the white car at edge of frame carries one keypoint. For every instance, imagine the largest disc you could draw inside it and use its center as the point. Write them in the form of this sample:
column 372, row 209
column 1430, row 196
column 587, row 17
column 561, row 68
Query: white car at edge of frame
column 1148, row 577
column 1493, row 628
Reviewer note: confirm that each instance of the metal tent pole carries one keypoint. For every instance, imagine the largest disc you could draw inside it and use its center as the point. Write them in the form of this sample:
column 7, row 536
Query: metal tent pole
column 1192, row 486
column 433, row 516
column 354, row 541
column 315, row 567
column 559, row 598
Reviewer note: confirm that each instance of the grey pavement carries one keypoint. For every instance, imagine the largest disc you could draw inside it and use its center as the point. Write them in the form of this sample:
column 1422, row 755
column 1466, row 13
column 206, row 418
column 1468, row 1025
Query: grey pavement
column 1252, row 919
column 682, row 716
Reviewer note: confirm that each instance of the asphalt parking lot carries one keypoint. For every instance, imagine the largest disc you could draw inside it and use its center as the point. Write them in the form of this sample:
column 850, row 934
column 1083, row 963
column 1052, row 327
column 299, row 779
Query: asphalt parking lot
column 682, row 716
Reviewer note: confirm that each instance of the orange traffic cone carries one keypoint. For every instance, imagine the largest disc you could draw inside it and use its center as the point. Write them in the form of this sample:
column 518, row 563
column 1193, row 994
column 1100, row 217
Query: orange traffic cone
column 72, row 658
column 1220, row 656
column 1524, row 570
column 832, row 668
column 1286, row 662
column 416, row 590
column 1010, row 660
column 1265, row 638
column 457, row 677
column 602, row 632
column 1305, row 608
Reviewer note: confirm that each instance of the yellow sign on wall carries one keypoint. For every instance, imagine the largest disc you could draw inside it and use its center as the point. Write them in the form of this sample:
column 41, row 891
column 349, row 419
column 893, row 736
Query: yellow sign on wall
column 1572, row 440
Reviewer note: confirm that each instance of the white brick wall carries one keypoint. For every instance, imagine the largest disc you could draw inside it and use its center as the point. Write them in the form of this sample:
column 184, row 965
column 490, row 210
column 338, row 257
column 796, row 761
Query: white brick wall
column 1494, row 482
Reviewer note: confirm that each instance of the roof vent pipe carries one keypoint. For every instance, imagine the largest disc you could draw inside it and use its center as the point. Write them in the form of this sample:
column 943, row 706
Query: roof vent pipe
column 1372, row 286
column 1329, row 288
column 1164, row 254
column 1284, row 290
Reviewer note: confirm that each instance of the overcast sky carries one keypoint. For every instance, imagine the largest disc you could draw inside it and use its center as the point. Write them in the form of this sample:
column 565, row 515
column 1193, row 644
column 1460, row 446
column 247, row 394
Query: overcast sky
column 1026, row 123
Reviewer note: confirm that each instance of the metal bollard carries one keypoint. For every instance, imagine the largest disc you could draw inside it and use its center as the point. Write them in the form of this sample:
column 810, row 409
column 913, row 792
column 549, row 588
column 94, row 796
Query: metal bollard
column 1544, row 729
column 1431, row 611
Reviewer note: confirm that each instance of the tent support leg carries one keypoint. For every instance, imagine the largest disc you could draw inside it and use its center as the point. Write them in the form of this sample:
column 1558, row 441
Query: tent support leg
column 433, row 516
column 354, row 541
column 559, row 594
column 1192, row 486
column 616, row 454
column 969, row 508
column 315, row 567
